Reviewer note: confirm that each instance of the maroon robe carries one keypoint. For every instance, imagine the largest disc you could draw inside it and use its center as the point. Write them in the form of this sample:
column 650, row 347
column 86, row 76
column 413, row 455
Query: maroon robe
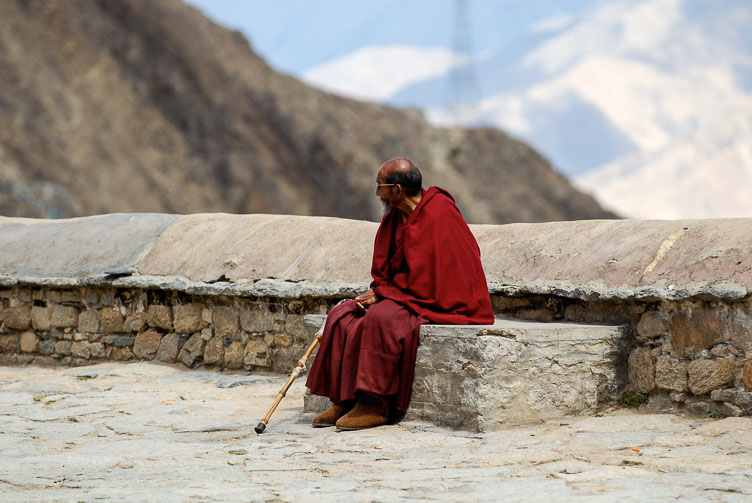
column 426, row 270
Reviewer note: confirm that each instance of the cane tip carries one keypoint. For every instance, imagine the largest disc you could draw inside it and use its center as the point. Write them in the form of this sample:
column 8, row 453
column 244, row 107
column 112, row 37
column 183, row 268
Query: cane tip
column 260, row 428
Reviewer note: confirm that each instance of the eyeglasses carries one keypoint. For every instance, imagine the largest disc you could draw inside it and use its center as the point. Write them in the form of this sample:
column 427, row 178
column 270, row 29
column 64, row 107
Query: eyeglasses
column 379, row 185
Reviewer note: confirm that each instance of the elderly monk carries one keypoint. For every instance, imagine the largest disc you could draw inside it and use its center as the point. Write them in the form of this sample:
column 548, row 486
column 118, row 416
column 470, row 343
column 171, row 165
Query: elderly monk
column 426, row 269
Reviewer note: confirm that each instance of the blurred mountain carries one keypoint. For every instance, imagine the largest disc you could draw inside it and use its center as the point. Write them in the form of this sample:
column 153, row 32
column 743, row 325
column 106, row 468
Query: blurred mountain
column 644, row 103
column 134, row 105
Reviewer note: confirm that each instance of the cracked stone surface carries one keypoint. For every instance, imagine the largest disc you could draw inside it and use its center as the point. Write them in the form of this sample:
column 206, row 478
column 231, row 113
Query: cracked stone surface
column 142, row 431
column 292, row 256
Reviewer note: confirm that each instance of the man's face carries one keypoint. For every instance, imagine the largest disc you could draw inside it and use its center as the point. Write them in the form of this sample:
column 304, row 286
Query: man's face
column 385, row 193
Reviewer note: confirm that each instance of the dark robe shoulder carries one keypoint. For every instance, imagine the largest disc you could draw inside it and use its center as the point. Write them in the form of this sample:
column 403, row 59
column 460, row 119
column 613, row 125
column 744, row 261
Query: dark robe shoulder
column 431, row 263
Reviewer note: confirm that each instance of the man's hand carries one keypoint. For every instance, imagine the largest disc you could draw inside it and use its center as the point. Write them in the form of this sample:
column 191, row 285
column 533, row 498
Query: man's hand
column 366, row 300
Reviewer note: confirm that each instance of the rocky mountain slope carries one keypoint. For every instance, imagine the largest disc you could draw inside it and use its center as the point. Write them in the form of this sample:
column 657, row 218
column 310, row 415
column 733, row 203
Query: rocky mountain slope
column 133, row 105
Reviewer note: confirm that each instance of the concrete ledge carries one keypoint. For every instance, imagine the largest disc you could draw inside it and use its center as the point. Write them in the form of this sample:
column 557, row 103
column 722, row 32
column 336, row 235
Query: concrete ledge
column 482, row 377
column 588, row 260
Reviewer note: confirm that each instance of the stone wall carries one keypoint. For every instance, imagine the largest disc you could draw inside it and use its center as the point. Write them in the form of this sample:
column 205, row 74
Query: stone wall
column 231, row 291
column 80, row 326
column 690, row 354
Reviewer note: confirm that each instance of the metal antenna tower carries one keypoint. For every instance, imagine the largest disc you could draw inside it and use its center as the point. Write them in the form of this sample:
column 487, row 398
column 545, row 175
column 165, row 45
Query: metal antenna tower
column 463, row 83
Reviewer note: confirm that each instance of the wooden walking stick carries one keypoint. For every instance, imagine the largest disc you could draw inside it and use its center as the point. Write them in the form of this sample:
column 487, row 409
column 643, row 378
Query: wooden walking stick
column 295, row 373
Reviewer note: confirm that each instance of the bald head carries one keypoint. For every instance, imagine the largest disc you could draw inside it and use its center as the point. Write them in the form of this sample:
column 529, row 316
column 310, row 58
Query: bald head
column 402, row 171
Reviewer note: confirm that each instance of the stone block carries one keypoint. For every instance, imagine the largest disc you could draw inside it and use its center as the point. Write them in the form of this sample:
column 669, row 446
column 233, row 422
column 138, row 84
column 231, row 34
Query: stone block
column 90, row 297
column 188, row 318
column 97, row 350
column 159, row 317
column 641, row 371
column 214, row 351
column 227, row 322
column 693, row 330
column 23, row 295
column 121, row 354
column 207, row 333
column 17, row 318
column 41, row 318
column 29, row 342
column 81, row 350
column 234, row 355
column 315, row 403
column 260, row 318
column 677, row 397
column 724, row 395
column 123, row 341
column 730, row 410
column 313, row 323
column 206, row 315
column 55, row 334
column 740, row 326
column 671, row 374
column 53, row 296
column 109, row 339
column 512, row 372
column 723, row 350
column 135, row 322
column 295, row 326
column 45, row 361
column 706, row 375
column 744, row 400
column 111, row 320
column 283, row 360
column 747, row 375
column 107, row 297
column 63, row 347
column 168, row 348
column 282, row 341
column 256, row 354
column 8, row 343
column 653, row 324
column 295, row 307
column 71, row 296
column 146, row 344
column 88, row 321
column 47, row 347
column 64, row 316
column 192, row 350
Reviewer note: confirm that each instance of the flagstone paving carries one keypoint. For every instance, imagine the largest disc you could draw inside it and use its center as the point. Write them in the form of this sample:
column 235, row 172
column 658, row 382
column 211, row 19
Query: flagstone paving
column 146, row 432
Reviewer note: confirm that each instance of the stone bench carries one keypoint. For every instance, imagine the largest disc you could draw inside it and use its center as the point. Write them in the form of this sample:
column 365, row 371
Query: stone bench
column 481, row 377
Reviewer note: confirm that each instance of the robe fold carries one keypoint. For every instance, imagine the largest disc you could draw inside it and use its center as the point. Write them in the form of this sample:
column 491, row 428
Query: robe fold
column 426, row 269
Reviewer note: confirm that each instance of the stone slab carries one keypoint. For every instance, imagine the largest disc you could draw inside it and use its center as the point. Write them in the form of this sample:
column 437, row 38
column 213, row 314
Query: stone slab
column 78, row 247
column 482, row 377
column 262, row 246
column 294, row 256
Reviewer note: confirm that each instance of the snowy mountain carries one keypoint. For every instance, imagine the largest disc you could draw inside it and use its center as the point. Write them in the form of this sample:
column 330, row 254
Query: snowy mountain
column 645, row 103
column 360, row 75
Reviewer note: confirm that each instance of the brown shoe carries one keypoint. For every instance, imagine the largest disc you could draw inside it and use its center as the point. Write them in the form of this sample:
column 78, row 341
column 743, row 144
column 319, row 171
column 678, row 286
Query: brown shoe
column 366, row 414
column 329, row 416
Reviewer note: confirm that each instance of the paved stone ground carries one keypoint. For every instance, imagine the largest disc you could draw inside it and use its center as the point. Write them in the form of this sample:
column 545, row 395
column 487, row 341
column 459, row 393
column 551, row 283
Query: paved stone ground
column 147, row 432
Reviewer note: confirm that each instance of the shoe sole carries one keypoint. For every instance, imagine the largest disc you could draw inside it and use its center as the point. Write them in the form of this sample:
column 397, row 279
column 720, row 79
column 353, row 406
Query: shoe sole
column 356, row 428
column 322, row 425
